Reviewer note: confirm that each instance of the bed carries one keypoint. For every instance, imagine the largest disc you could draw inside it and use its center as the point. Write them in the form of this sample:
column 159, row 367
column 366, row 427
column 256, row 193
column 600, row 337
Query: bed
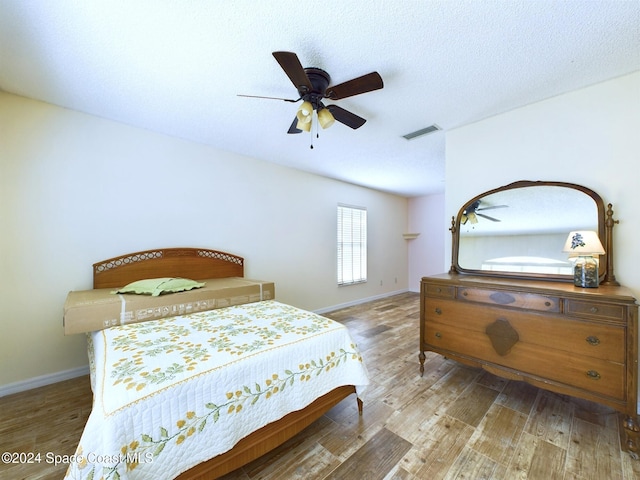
column 528, row 264
column 202, row 394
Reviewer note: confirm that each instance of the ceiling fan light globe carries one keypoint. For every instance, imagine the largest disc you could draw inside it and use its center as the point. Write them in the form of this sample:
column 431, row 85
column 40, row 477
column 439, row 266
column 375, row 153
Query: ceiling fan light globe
column 305, row 124
column 303, row 118
column 325, row 118
column 304, row 115
column 306, row 109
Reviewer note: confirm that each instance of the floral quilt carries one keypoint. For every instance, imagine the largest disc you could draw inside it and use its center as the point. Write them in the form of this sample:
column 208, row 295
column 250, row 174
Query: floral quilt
column 172, row 393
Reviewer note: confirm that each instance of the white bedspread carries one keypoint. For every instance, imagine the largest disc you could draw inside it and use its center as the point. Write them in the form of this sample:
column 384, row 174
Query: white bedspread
column 172, row 393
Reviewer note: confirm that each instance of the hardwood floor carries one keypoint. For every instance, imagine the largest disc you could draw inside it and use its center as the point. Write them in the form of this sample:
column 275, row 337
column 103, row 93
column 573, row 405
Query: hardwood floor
column 455, row 422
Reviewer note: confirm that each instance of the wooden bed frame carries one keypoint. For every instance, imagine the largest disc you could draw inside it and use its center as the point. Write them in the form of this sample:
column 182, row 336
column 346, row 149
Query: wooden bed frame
column 201, row 264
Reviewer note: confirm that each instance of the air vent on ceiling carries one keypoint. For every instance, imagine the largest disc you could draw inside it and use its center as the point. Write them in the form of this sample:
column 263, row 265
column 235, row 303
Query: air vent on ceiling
column 424, row 131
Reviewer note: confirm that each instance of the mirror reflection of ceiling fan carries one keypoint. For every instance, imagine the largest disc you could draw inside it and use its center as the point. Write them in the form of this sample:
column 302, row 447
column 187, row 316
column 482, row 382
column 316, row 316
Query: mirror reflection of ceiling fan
column 472, row 212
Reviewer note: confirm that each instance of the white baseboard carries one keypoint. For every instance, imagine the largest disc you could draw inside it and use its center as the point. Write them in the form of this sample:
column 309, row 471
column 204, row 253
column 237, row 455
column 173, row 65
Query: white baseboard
column 42, row 380
column 359, row 301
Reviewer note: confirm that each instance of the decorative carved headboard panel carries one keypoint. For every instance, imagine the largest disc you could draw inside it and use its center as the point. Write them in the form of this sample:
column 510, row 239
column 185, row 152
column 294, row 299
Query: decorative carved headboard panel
column 193, row 263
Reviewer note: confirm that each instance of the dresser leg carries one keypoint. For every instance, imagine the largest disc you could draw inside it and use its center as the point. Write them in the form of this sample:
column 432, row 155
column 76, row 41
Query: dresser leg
column 422, row 358
column 632, row 435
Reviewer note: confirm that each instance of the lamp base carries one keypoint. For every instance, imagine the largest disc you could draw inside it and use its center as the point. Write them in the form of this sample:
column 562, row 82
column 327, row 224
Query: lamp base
column 585, row 272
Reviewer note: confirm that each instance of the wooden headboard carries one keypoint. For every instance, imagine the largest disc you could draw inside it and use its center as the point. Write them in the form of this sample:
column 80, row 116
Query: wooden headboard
column 193, row 263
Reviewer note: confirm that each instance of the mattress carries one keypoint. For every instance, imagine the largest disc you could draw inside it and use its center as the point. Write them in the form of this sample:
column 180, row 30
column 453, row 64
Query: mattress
column 172, row 393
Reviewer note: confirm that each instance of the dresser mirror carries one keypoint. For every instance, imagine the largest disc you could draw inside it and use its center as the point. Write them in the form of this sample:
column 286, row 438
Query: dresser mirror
column 519, row 230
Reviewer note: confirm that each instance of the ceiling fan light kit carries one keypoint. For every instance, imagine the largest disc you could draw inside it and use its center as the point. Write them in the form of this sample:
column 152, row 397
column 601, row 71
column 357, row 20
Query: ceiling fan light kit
column 304, row 116
column 312, row 85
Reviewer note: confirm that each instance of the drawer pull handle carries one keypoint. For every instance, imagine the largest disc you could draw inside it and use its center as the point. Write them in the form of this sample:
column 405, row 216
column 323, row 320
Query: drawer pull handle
column 593, row 375
column 547, row 304
column 438, row 290
column 465, row 294
column 438, row 335
column 438, row 311
column 593, row 309
column 593, row 341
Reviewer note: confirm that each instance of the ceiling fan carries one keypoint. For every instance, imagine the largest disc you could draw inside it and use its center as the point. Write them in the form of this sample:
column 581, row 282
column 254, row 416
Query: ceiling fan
column 471, row 213
column 312, row 85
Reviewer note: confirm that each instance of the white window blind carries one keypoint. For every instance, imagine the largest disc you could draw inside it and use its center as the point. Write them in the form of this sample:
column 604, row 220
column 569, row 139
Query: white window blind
column 352, row 245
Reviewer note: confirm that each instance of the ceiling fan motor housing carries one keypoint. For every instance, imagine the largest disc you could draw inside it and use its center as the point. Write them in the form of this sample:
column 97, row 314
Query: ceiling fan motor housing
column 319, row 81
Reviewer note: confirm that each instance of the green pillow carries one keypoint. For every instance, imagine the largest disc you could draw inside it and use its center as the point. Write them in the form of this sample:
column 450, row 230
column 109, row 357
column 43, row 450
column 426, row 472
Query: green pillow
column 157, row 286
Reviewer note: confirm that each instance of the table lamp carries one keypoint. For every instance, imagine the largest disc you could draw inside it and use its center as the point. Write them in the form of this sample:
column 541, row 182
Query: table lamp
column 584, row 246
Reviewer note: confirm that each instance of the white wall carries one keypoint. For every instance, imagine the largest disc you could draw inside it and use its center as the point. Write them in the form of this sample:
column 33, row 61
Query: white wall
column 76, row 189
column 426, row 252
column 588, row 136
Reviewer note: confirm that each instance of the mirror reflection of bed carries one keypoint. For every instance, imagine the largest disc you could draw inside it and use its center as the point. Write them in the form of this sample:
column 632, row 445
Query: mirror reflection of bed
column 528, row 264
column 515, row 253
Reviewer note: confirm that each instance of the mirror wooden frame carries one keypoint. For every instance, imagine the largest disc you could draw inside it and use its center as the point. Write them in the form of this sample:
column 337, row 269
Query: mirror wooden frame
column 605, row 227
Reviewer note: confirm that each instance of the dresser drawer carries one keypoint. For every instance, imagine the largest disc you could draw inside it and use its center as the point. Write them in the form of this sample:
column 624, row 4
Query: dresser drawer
column 438, row 290
column 595, row 310
column 508, row 298
column 591, row 339
column 588, row 373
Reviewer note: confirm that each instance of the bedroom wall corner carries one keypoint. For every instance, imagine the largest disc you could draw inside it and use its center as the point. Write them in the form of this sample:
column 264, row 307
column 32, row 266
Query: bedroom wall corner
column 426, row 252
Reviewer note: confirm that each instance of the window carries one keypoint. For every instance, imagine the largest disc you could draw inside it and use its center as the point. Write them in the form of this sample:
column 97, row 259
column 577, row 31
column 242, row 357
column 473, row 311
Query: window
column 352, row 245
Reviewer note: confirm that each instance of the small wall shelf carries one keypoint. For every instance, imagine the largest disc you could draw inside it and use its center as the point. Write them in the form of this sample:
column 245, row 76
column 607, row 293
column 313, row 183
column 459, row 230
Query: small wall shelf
column 410, row 236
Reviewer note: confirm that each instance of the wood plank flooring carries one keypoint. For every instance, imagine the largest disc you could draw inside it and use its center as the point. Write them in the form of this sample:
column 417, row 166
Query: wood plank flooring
column 455, row 422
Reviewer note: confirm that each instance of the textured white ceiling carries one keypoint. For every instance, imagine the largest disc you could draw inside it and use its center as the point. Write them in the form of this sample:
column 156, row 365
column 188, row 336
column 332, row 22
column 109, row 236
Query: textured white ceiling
column 177, row 67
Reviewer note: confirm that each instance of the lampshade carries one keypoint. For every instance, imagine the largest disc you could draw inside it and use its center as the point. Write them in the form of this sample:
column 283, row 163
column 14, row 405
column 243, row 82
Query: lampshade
column 304, row 113
column 325, row 118
column 583, row 243
column 304, row 124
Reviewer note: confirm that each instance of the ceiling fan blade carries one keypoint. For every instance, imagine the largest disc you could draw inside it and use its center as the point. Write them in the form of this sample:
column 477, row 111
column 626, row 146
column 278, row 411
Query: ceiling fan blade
column 344, row 116
column 492, row 207
column 294, row 127
column 269, row 98
column 487, row 217
column 366, row 83
column 293, row 68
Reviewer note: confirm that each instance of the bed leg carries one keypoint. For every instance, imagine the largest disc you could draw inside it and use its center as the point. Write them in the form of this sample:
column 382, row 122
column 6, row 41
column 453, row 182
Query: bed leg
column 360, row 404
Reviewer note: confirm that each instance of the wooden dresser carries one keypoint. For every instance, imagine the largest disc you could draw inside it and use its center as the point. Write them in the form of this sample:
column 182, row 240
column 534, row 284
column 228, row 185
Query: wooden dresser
column 581, row 342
